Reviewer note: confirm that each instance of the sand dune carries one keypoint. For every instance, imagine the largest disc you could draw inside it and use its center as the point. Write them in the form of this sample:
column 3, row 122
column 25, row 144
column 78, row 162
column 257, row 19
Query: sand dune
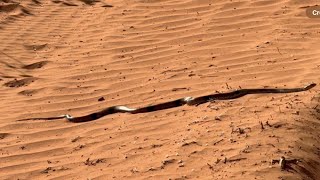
column 62, row 56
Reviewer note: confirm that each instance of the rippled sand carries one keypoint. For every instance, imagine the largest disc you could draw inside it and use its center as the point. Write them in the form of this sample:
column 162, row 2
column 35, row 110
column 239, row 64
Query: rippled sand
column 62, row 56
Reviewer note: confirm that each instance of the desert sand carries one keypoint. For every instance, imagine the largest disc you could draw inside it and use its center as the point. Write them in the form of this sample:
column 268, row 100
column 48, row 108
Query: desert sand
column 80, row 56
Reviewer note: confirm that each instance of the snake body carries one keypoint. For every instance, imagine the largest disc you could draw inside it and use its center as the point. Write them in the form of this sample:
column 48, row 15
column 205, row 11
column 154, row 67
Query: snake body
column 175, row 103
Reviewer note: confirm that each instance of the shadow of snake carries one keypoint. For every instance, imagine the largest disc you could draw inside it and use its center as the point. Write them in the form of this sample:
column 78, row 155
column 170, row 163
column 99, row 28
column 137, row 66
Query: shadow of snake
column 175, row 103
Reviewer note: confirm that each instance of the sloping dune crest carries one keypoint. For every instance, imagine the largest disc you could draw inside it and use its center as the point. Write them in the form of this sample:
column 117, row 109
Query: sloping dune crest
column 79, row 56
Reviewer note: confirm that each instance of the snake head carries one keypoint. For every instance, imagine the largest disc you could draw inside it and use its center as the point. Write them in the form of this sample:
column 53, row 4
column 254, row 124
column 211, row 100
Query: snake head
column 311, row 85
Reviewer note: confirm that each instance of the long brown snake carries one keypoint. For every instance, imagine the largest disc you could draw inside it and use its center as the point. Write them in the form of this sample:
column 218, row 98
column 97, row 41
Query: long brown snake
column 175, row 103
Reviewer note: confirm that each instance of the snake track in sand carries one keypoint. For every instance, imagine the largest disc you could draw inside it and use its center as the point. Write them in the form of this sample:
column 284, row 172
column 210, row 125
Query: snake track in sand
column 176, row 103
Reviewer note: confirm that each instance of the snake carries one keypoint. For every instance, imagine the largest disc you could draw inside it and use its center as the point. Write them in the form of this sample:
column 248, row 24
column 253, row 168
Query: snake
column 175, row 103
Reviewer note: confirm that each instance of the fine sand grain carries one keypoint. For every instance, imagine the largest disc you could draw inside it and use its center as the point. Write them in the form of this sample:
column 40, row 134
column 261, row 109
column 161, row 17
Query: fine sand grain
column 62, row 56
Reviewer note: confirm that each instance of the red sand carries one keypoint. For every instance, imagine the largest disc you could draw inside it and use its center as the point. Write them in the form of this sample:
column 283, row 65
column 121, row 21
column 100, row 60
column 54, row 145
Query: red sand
column 61, row 56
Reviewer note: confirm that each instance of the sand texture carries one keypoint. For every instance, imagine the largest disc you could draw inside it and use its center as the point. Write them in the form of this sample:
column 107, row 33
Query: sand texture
column 79, row 56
